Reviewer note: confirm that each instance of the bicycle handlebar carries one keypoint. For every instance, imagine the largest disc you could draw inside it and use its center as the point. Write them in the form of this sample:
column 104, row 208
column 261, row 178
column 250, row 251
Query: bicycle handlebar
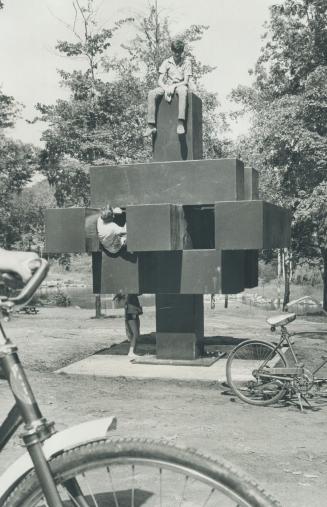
column 32, row 285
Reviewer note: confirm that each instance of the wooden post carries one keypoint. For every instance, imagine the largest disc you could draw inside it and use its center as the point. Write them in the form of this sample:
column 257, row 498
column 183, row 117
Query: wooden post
column 98, row 313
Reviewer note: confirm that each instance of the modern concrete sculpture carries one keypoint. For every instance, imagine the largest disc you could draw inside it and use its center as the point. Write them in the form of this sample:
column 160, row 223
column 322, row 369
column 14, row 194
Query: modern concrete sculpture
column 194, row 227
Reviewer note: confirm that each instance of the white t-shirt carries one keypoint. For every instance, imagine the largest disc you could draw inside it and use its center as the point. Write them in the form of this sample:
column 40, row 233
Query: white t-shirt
column 111, row 235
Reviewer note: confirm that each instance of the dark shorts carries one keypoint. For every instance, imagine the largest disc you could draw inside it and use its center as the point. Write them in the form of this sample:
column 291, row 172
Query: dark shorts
column 132, row 306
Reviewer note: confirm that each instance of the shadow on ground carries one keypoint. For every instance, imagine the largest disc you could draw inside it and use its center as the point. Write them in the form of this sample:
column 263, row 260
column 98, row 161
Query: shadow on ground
column 147, row 345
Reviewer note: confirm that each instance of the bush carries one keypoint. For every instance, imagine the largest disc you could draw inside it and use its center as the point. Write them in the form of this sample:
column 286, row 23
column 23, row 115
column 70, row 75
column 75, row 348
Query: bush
column 267, row 271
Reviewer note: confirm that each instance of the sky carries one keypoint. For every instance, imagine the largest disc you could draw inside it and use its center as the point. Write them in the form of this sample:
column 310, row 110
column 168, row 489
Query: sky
column 29, row 31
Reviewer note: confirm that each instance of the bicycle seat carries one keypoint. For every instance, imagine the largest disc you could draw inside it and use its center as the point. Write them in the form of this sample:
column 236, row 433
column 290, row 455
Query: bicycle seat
column 281, row 320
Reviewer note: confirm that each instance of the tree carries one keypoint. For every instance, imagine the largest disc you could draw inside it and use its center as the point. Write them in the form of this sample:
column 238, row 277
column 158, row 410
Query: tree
column 8, row 110
column 17, row 164
column 311, row 220
column 27, row 216
column 288, row 141
column 100, row 120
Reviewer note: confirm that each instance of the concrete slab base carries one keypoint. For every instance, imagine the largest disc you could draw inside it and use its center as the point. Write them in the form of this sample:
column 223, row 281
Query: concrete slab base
column 113, row 365
column 122, row 366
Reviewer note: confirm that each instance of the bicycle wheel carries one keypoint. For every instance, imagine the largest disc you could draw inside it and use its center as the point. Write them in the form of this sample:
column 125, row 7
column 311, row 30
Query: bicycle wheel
column 135, row 473
column 243, row 365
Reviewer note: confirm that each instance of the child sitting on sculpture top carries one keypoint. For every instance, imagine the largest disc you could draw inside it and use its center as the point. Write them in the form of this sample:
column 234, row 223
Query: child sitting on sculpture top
column 111, row 227
column 174, row 75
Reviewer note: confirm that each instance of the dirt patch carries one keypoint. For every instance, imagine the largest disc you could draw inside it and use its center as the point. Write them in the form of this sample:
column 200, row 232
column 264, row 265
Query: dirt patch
column 285, row 451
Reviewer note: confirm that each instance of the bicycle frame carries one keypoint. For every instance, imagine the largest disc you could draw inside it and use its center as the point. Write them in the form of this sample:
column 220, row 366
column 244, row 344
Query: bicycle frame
column 26, row 409
column 289, row 373
column 319, row 367
column 285, row 337
column 39, row 436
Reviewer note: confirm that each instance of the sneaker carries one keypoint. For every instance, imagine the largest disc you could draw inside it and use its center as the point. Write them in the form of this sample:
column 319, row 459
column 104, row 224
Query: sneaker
column 131, row 355
column 150, row 131
column 180, row 129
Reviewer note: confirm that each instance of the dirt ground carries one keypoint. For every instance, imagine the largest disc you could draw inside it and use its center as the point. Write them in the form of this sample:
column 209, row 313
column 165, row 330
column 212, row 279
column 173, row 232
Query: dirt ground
column 283, row 449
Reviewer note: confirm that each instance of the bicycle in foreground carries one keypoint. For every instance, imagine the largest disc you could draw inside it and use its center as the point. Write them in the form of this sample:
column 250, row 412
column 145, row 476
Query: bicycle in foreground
column 258, row 372
column 83, row 467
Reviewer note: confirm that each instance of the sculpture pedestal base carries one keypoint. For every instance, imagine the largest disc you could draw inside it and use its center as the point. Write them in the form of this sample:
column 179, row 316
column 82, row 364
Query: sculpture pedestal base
column 167, row 144
column 179, row 326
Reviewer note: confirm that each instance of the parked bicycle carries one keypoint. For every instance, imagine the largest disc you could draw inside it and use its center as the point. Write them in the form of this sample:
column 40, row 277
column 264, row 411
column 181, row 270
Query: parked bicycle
column 258, row 372
column 82, row 467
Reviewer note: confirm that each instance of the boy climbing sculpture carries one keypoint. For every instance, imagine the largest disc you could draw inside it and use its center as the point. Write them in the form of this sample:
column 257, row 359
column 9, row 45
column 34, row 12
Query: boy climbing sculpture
column 112, row 234
column 174, row 75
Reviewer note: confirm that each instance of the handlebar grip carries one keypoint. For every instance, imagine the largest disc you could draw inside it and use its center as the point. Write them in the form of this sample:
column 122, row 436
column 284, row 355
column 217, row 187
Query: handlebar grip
column 32, row 285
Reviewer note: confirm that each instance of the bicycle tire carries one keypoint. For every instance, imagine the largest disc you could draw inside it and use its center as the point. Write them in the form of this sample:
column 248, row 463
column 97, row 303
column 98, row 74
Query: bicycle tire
column 210, row 477
column 240, row 376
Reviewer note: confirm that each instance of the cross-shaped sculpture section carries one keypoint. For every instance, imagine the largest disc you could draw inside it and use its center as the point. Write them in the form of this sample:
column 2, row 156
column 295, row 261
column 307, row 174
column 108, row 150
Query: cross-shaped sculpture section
column 194, row 227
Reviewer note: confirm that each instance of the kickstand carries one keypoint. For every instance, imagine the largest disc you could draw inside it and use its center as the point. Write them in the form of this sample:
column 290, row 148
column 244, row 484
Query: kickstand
column 314, row 409
column 307, row 401
column 301, row 397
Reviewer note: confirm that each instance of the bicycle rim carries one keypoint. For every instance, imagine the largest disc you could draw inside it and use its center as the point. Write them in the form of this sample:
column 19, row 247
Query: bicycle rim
column 142, row 473
column 243, row 373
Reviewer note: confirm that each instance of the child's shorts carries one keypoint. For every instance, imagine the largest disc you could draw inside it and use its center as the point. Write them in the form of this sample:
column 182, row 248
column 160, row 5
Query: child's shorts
column 132, row 307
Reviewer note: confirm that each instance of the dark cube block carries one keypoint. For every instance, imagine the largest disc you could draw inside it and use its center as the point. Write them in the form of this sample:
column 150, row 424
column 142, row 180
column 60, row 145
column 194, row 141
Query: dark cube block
column 155, row 227
column 184, row 272
column 71, row 230
column 191, row 182
column 232, row 271
column 251, row 225
column 167, row 145
column 251, row 271
column 119, row 273
column 179, row 324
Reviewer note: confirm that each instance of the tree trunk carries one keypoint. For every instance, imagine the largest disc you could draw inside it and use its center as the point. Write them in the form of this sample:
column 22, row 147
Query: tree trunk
column 279, row 274
column 287, row 278
column 324, row 276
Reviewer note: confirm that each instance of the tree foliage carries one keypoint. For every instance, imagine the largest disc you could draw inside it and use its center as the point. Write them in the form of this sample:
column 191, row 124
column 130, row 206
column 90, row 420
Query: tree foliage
column 98, row 123
column 17, row 164
column 288, row 102
column 102, row 121
column 25, row 230
column 8, row 111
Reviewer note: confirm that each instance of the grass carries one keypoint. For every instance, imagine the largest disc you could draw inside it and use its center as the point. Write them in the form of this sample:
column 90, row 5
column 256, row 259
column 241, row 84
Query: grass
column 270, row 290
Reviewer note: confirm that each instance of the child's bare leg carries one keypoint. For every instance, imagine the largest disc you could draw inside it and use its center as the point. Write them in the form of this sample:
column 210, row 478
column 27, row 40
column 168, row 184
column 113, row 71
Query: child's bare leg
column 181, row 91
column 133, row 327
